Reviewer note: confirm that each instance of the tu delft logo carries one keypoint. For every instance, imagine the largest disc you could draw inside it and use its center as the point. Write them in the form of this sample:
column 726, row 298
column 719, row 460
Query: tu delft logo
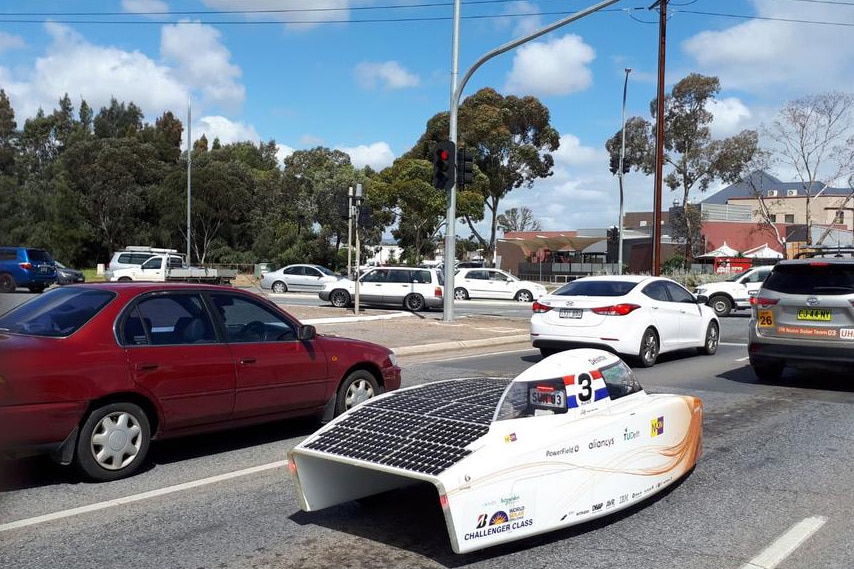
column 656, row 427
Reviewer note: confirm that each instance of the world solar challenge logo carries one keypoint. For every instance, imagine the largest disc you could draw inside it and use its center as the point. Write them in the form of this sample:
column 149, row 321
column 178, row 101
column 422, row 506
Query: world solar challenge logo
column 499, row 522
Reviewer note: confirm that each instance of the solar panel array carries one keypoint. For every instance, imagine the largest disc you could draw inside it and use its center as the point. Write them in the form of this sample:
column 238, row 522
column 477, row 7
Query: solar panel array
column 424, row 429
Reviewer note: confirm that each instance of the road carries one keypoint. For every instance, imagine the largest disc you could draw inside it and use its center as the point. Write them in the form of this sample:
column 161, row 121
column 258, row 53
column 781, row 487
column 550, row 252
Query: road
column 775, row 456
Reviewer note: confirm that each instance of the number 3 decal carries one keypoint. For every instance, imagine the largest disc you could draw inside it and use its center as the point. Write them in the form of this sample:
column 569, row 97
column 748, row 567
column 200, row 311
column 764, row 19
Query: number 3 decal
column 586, row 383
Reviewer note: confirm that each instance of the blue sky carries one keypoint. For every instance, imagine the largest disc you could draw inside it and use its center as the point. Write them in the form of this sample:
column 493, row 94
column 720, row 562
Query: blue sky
column 364, row 76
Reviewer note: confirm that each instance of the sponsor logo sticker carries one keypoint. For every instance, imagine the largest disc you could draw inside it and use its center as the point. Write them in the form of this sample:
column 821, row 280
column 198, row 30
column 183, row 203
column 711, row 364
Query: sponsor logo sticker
column 511, row 438
column 657, row 427
column 846, row 333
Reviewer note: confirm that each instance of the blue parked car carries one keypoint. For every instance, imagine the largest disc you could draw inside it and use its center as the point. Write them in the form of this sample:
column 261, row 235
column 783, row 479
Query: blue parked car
column 27, row 267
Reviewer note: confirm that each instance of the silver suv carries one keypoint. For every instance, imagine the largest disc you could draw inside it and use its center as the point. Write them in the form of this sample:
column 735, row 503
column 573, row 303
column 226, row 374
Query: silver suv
column 411, row 288
column 803, row 315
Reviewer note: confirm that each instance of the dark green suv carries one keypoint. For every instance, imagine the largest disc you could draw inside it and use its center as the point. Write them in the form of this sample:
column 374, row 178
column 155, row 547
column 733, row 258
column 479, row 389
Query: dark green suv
column 27, row 267
column 803, row 316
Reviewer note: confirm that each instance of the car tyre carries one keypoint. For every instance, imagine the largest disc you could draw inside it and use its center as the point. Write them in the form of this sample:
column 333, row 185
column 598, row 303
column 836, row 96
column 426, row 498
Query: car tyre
column 649, row 348
column 461, row 294
column 356, row 388
column 125, row 279
column 722, row 305
column 279, row 287
column 339, row 298
column 7, row 283
column 414, row 302
column 524, row 295
column 113, row 442
column 546, row 352
column 710, row 345
column 768, row 373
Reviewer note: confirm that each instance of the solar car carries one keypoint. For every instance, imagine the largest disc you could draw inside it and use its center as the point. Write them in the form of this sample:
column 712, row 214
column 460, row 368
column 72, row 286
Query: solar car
column 571, row 439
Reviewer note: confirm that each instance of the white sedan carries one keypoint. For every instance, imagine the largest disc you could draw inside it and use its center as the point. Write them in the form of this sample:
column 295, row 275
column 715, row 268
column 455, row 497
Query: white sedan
column 298, row 278
column 638, row 316
column 494, row 283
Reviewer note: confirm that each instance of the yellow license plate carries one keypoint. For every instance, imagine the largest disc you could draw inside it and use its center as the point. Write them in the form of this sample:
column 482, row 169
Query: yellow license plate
column 765, row 319
column 819, row 314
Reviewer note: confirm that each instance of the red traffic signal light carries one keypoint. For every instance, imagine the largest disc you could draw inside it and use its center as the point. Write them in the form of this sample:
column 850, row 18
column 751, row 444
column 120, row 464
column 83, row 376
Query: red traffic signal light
column 444, row 168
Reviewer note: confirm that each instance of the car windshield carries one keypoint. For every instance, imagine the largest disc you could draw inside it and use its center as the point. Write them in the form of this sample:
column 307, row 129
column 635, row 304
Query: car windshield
column 587, row 287
column 812, row 278
column 56, row 313
column 325, row 271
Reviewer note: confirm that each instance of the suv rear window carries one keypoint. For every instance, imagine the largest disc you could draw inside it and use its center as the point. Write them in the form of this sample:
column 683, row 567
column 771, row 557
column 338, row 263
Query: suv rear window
column 812, row 278
column 39, row 255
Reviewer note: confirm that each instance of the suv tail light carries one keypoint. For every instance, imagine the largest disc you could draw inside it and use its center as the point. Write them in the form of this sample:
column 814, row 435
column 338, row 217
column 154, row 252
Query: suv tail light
column 26, row 266
column 763, row 301
column 615, row 310
column 438, row 291
column 540, row 308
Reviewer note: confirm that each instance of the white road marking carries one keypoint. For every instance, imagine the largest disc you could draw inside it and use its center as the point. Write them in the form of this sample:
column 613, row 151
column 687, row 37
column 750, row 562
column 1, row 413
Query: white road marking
column 139, row 497
column 775, row 553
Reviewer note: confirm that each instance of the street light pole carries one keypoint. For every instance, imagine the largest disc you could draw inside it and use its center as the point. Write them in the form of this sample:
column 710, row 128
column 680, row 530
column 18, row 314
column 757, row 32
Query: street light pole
column 622, row 158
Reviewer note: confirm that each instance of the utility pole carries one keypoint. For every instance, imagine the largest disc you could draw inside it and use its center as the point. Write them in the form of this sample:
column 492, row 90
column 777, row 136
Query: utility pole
column 357, row 198
column 350, row 232
column 189, row 174
column 659, row 138
column 622, row 159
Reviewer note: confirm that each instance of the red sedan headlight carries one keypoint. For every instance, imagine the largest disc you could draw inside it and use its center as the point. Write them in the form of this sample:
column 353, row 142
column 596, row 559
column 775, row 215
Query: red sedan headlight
column 616, row 309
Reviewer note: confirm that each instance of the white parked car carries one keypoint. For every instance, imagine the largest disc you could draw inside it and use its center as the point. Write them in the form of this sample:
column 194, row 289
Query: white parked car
column 410, row 288
column 298, row 278
column 494, row 283
column 634, row 315
column 734, row 293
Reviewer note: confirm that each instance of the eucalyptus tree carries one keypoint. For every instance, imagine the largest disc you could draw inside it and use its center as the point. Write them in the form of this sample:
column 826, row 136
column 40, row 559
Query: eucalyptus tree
column 518, row 219
column 693, row 159
column 511, row 139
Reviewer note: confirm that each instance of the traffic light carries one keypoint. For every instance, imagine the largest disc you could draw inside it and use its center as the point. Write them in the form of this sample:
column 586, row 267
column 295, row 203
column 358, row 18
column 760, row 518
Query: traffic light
column 465, row 167
column 444, row 169
column 615, row 164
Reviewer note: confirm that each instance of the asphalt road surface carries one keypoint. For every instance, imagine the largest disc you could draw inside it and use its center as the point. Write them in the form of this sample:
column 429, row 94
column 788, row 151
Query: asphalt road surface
column 772, row 489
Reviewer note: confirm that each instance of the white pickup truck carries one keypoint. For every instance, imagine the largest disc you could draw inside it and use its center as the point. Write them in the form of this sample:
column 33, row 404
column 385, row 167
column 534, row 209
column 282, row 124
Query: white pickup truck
column 734, row 293
column 171, row 268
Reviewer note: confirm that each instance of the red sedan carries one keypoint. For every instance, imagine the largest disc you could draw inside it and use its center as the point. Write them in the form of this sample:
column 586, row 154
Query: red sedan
column 92, row 373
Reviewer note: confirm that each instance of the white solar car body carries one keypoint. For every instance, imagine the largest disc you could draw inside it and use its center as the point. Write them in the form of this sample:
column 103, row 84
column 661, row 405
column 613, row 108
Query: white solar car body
column 571, row 439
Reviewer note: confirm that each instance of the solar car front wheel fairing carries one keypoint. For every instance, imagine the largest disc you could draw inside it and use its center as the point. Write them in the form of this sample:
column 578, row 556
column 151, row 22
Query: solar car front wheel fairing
column 496, row 448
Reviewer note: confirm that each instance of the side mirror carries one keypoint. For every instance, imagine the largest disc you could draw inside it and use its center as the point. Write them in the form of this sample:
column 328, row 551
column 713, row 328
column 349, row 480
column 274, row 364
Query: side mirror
column 306, row 332
column 702, row 299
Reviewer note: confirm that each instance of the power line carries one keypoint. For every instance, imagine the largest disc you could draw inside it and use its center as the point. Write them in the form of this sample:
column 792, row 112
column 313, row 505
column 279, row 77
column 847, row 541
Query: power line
column 768, row 18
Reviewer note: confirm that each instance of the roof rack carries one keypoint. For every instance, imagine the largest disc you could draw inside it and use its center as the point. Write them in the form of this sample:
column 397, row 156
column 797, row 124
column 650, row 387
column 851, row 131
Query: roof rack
column 146, row 249
column 826, row 252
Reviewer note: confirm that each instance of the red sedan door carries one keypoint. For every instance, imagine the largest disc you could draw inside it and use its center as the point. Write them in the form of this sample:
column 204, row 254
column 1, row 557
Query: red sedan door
column 174, row 354
column 276, row 373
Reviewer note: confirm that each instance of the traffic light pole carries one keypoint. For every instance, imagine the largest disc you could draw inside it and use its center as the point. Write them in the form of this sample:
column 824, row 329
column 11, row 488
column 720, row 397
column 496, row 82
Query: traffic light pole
column 456, row 94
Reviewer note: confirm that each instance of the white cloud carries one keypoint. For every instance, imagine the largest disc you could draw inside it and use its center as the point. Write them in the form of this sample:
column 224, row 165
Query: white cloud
column 203, row 61
column 776, row 57
column 390, row 74
column 225, row 129
column 524, row 25
column 731, row 117
column 11, row 41
column 282, row 152
column 571, row 153
column 377, row 155
column 555, row 67
column 144, row 6
column 94, row 73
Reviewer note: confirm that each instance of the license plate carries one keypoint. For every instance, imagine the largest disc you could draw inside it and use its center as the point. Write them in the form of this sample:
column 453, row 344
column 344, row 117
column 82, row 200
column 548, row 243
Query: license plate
column 570, row 313
column 765, row 319
column 551, row 399
column 819, row 314
column 44, row 269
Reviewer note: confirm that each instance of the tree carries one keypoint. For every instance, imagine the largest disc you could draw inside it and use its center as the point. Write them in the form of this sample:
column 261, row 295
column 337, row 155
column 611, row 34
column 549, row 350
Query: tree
column 511, row 139
column 694, row 159
column 518, row 219
column 813, row 136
